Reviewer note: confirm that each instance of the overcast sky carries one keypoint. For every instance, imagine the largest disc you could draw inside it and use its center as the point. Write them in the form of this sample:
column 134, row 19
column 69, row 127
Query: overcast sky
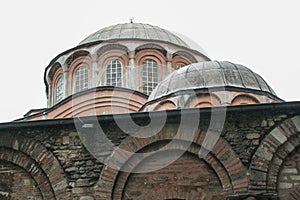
column 263, row 35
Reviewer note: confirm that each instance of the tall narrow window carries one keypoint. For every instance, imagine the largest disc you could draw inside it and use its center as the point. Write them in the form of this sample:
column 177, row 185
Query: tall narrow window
column 59, row 90
column 114, row 73
column 150, row 75
column 81, row 79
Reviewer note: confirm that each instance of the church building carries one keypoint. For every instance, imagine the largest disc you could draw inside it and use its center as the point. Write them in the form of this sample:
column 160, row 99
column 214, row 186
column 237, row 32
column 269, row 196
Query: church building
column 135, row 111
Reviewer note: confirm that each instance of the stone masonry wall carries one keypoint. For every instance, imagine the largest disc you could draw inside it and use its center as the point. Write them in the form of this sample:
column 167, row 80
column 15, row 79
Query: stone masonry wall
column 51, row 162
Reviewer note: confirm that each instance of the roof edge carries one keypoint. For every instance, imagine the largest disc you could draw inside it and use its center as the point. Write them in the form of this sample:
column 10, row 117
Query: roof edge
column 291, row 108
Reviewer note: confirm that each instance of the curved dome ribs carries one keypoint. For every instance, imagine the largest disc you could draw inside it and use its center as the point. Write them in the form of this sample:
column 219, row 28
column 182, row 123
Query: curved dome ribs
column 213, row 74
column 224, row 80
column 134, row 31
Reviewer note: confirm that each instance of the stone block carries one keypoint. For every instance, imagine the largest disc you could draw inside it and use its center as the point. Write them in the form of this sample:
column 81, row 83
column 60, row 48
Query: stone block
column 86, row 198
column 295, row 177
column 258, row 176
column 285, row 185
column 276, row 133
column 289, row 171
column 264, row 123
column 66, row 140
column 252, row 136
column 71, row 169
column 78, row 190
column 296, row 121
column 261, row 152
column 82, row 182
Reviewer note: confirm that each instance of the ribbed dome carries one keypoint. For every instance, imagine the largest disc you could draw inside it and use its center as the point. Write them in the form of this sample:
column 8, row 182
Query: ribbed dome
column 135, row 31
column 211, row 74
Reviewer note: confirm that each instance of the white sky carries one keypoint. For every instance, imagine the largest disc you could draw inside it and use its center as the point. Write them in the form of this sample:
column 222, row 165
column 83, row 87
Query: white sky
column 263, row 35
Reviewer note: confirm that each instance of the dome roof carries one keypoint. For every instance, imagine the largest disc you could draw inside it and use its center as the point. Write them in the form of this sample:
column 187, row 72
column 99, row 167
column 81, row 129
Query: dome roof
column 211, row 74
column 135, row 31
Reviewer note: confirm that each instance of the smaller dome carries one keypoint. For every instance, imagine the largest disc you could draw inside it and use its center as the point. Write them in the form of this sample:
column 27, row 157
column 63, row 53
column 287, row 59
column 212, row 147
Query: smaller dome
column 212, row 74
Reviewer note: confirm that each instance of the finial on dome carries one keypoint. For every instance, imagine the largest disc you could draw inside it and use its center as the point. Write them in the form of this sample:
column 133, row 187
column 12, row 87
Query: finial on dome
column 131, row 19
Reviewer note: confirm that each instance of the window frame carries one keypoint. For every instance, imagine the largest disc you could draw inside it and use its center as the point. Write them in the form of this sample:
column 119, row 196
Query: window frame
column 59, row 83
column 145, row 75
column 105, row 58
column 71, row 73
column 118, row 67
column 57, row 75
column 153, row 54
column 81, row 66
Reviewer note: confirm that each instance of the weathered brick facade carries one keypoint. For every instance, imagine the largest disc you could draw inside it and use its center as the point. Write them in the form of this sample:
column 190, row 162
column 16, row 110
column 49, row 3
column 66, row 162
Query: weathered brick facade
column 255, row 157
column 101, row 137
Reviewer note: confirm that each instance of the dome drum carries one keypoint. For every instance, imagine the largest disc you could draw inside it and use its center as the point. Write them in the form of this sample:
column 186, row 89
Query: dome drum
column 95, row 101
column 127, row 54
column 199, row 98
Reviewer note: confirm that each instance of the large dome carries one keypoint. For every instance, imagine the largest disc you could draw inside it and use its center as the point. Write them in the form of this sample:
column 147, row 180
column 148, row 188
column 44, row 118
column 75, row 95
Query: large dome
column 212, row 74
column 135, row 31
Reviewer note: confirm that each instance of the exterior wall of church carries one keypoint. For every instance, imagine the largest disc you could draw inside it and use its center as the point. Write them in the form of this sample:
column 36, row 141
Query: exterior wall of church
column 101, row 85
column 256, row 156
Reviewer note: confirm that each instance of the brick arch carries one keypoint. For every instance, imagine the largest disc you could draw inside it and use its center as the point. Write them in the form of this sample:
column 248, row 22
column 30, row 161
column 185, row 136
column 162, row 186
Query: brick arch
column 76, row 55
column 111, row 47
column 31, row 167
column 187, row 55
column 154, row 54
column 244, row 99
column 267, row 160
column 179, row 60
column 44, row 161
column 53, row 70
column 105, row 58
column 165, row 105
column 210, row 161
column 288, row 177
column 80, row 62
column 221, row 158
column 203, row 100
column 113, row 54
column 151, row 46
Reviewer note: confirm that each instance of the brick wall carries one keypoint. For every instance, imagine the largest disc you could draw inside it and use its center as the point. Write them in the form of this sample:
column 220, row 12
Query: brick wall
column 186, row 178
column 16, row 183
column 289, row 176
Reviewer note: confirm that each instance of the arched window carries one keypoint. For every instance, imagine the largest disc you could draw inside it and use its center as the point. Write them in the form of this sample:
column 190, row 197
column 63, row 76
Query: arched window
column 58, row 90
column 150, row 75
column 203, row 100
column 165, row 105
column 81, row 79
column 114, row 73
column 179, row 66
column 244, row 99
